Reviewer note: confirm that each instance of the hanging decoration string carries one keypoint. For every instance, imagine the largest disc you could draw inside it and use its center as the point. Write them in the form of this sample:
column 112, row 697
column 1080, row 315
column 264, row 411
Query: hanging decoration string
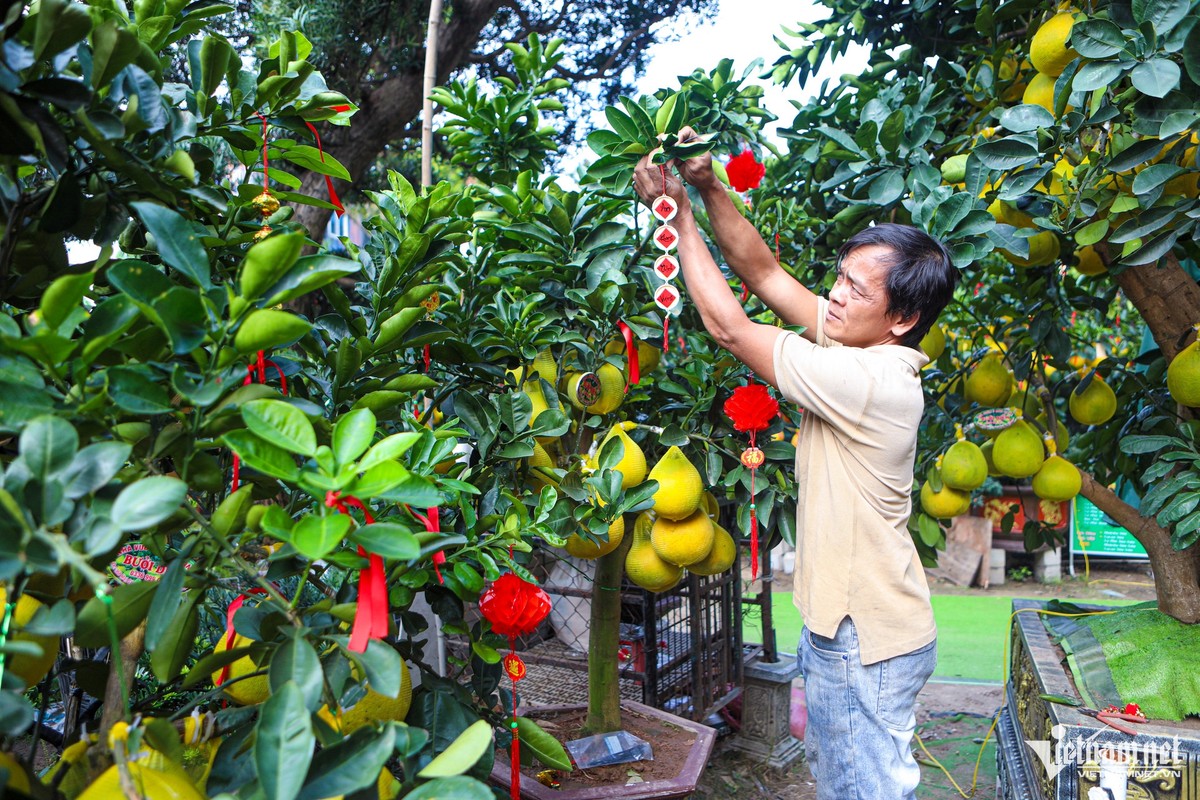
column 256, row 371
column 752, row 409
column 667, row 297
column 515, row 607
column 333, row 198
column 371, row 615
column 231, row 634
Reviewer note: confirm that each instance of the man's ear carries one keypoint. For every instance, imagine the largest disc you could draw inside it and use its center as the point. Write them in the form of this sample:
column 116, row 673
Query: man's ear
column 901, row 325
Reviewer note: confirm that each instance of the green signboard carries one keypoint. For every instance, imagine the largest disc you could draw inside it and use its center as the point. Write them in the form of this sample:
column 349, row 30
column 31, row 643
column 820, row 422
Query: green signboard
column 1093, row 532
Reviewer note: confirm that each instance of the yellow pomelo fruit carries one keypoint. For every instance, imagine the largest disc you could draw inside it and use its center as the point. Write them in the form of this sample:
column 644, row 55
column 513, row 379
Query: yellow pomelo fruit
column 934, row 342
column 582, row 547
column 250, row 691
column 1061, row 177
column 944, row 504
column 30, row 669
column 643, row 565
column 612, row 390
column 1026, row 401
column 632, row 465
column 964, row 467
column 1183, row 376
column 1018, row 451
column 954, row 168
column 165, row 783
column 1040, row 92
column 1095, row 405
column 198, row 753
column 1043, row 250
column 1049, row 51
column 679, row 485
column 1057, row 480
column 710, row 504
column 541, row 457
column 372, row 707
column 683, row 542
column 720, row 557
column 17, row 778
column 986, row 449
column 1088, row 261
column 990, row 383
column 544, row 365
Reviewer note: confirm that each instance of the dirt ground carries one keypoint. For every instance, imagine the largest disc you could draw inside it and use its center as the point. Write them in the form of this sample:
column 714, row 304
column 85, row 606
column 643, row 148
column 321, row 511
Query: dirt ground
column 953, row 719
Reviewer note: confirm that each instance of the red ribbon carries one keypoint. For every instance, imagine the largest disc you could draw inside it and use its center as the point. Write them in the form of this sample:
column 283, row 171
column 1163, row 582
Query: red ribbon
column 631, row 353
column 431, row 520
column 371, row 616
column 666, row 335
column 230, row 633
column 425, row 355
column 333, row 198
column 256, row 370
column 753, row 523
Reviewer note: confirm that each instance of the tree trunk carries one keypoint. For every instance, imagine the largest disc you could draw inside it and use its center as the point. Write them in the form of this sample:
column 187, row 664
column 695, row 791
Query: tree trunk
column 1167, row 298
column 386, row 110
column 1176, row 572
column 121, row 669
column 604, row 695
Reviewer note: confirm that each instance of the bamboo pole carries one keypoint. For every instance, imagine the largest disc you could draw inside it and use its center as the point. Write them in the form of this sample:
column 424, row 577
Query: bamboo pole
column 431, row 48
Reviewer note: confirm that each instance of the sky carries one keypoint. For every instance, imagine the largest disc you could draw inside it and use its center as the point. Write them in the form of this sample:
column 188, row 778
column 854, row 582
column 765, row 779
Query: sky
column 743, row 30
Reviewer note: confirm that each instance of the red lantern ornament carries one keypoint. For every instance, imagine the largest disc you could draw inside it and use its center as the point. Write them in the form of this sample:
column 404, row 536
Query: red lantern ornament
column 752, row 408
column 515, row 607
column 745, row 172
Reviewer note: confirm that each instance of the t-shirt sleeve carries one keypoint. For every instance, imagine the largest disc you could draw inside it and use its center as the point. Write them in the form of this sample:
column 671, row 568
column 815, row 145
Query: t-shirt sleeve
column 824, row 380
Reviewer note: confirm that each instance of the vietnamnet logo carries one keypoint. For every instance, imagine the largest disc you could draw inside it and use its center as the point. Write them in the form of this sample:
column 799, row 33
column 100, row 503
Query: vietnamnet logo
column 1136, row 757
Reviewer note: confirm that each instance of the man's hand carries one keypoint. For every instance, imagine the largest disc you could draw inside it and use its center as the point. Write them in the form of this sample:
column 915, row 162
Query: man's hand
column 697, row 171
column 653, row 180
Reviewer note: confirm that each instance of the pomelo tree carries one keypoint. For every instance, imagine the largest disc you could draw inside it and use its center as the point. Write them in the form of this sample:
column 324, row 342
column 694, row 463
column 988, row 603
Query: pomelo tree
column 1055, row 151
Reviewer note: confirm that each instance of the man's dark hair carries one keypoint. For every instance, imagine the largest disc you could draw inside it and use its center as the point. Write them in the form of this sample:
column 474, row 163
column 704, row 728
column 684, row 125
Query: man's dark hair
column 921, row 276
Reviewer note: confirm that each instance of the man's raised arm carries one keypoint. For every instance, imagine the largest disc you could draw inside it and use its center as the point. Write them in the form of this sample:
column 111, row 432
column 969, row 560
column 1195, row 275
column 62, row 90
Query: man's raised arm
column 745, row 251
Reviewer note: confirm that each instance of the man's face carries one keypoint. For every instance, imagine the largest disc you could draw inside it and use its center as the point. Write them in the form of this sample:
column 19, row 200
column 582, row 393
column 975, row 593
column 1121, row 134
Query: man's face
column 857, row 312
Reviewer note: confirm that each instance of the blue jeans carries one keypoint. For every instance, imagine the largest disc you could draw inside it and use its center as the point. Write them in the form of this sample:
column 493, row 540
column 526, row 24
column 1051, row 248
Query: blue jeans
column 860, row 719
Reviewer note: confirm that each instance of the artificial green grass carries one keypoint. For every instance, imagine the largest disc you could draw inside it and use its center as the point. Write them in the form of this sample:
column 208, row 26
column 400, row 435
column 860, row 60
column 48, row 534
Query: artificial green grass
column 971, row 633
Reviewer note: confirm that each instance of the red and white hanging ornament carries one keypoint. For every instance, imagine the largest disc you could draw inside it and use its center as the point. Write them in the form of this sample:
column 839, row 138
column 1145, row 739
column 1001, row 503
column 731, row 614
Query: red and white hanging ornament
column 666, row 267
column 752, row 408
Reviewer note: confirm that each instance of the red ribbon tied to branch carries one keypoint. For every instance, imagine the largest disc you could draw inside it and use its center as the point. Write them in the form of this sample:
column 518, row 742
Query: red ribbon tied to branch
column 515, row 607
column 631, row 353
column 752, row 408
column 371, row 616
column 432, row 522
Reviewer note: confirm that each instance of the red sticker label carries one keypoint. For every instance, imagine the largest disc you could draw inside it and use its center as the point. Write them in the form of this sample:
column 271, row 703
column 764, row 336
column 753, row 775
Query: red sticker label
column 664, row 208
column 666, row 298
column 666, row 237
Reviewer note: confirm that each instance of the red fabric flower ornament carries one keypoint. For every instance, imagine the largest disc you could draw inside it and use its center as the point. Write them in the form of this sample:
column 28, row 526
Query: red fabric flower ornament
column 751, row 407
column 745, row 172
column 514, row 606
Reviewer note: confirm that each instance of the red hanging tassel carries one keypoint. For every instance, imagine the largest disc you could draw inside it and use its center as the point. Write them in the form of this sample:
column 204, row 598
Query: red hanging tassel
column 425, row 355
column 666, row 335
column 333, row 198
column 431, row 520
column 631, row 353
column 371, row 615
column 751, row 408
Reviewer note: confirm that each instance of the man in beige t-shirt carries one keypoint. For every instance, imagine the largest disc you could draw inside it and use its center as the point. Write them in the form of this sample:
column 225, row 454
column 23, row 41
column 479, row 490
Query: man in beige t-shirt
column 869, row 642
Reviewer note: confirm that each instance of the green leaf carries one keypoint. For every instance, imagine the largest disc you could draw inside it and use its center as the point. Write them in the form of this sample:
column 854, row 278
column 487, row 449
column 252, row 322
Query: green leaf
column 316, row 537
column 1026, row 117
column 266, row 458
column 462, row 753
column 63, row 296
column 314, row 160
column 167, row 600
column 296, row 661
column 132, row 390
column 48, row 445
column 1137, row 445
column 1092, row 232
column 308, row 274
column 382, row 667
column 1097, row 38
column 178, row 242
column 267, row 261
column 113, row 49
column 130, row 603
column 266, row 328
column 887, row 188
column 388, row 539
column 1154, row 176
column 350, row 765
column 352, row 435
column 1137, row 153
column 388, row 449
column 183, row 317
column 1096, row 75
column 459, row 788
column 545, row 747
column 1163, row 15
column 1191, row 54
column 1155, row 77
column 146, row 503
column 173, row 650
column 622, row 124
column 283, row 743
column 281, row 424
column 1007, row 154
column 891, row 133
column 59, row 24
